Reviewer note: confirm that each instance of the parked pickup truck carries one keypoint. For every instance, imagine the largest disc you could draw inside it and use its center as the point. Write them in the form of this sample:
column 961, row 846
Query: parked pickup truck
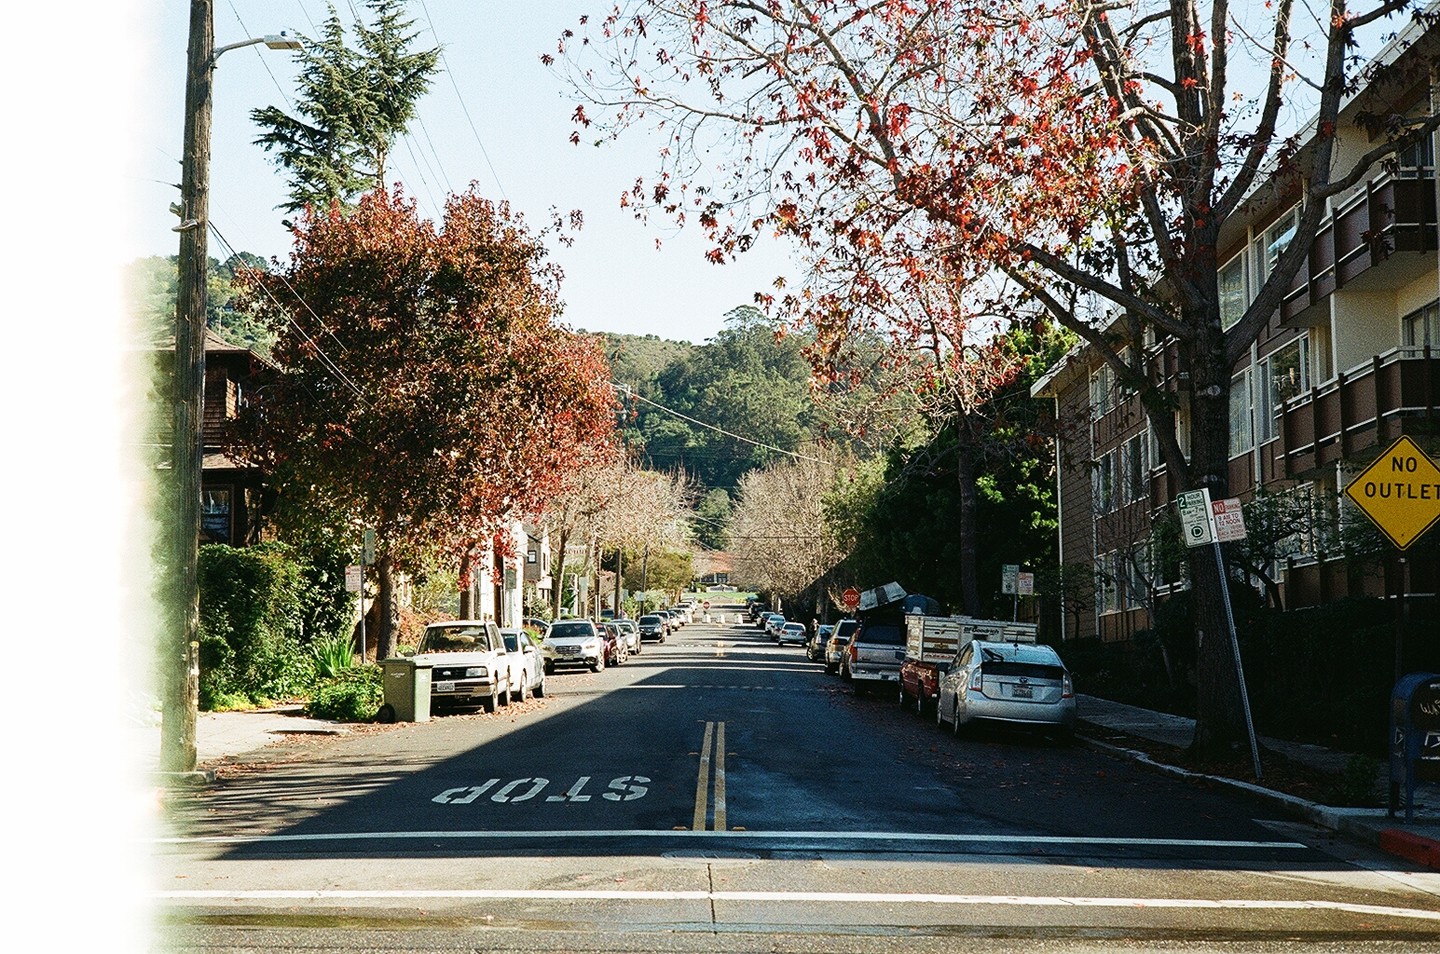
column 878, row 647
column 931, row 643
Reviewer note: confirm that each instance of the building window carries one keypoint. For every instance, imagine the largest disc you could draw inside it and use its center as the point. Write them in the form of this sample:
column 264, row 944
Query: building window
column 1418, row 159
column 1242, row 424
column 1233, row 300
column 1102, row 384
column 1136, row 467
column 1274, row 242
column 1102, row 479
column 1284, row 374
column 1421, row 328
column 216, row 523
column 1107, row 594
column 531, row 556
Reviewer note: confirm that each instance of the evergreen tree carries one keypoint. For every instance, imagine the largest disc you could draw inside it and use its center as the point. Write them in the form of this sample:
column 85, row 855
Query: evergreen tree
column 354, row 102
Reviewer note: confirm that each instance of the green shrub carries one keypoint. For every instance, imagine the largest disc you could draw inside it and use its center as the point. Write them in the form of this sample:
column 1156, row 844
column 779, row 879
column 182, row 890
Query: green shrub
column 354, row 695
column 259, row 608
column 332, row 656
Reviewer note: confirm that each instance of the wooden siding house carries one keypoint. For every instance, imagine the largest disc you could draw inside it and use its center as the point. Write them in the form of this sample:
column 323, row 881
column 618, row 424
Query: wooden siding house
column 233, row 496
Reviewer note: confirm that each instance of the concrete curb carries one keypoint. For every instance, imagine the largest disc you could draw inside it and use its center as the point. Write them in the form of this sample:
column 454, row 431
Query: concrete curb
column 1413, row 847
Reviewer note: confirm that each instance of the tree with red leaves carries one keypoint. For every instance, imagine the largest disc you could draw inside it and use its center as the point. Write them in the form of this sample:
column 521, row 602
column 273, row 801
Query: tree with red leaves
column 424, row 388
column 1080, row 156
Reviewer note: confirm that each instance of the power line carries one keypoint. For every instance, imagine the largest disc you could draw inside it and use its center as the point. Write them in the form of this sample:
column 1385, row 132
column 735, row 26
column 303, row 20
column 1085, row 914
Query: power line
column 330, row 366
column 626, row 390
column 458, row 95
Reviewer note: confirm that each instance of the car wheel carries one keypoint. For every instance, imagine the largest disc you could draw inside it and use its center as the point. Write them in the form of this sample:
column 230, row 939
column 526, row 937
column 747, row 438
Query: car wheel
column 505, row 696
column 492, row 702
column 523, row 691
column 540, row 687
column 939, row 714
column 598, row 664
column 548, row 667
column 955, row 721
column 904, row 700
column 830, row 669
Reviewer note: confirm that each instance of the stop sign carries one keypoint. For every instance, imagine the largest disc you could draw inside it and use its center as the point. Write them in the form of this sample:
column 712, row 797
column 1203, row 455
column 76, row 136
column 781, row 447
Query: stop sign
column 851, row 598
column 707, row 604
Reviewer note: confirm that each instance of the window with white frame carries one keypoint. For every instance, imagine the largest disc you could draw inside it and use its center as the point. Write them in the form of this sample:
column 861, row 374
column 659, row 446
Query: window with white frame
column 1284, row 374
column 1242, row 424
column 1102, row 384
column 1102, row 478
column 1233, row 299
column 1107, row 593
column 1273, row 243
column 1422, row 327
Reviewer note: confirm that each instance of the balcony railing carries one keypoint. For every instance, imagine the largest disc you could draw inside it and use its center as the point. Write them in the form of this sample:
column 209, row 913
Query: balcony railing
column 1374, row 403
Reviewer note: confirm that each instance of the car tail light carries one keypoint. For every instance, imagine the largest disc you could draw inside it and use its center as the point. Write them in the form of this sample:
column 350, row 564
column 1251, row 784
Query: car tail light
column 1067, row 687
column 853, row 653
column 977, row 680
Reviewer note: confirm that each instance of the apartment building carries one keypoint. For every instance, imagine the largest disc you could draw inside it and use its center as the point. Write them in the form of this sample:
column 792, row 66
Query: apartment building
column 1348, row 363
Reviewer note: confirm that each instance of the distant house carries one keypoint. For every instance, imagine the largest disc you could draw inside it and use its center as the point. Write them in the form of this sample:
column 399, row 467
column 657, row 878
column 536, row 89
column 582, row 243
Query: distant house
column 713, row 567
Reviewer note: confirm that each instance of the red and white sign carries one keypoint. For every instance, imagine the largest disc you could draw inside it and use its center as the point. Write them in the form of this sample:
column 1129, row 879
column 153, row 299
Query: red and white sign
column 1229, row 519
column 1025, row 583
column 354, row 578
column 851, row 598
column 706, row 604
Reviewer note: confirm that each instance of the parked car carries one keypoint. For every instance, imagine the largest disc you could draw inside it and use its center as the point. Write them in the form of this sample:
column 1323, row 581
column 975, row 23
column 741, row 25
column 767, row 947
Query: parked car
column 535, row 626
column 1022, row 684
column 872, row 660
column 835, row 648
column 815, row 645
column 684, row 613
column 791, row 633
column 653, row 626
column 468, row 664
column 631, row 632
column 527, row 664
column 773, row 623
column 573, row 642
column 616, row 648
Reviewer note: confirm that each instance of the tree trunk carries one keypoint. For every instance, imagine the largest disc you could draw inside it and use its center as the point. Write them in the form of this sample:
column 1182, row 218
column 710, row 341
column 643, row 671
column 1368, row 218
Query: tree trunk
column 467, row 585
column 388, row 615
column 1219, row 715
column 969, row 583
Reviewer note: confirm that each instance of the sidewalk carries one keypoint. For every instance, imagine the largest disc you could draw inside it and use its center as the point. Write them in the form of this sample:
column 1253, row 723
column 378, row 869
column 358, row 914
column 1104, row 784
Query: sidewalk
column 222, row 735
column 1417, row 841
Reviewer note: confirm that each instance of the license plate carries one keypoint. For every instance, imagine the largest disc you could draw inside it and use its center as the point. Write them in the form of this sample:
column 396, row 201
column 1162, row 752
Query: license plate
column 1022, row 692
column 569, row 651
column 445, row 687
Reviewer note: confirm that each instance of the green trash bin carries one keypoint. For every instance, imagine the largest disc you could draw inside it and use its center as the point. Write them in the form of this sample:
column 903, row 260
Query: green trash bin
column 407, row 690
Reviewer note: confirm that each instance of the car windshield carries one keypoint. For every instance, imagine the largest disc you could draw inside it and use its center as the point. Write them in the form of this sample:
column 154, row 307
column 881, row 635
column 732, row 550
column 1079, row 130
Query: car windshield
column 571, row 630
column 845, row 628
column 453, row 639
column 649, row 620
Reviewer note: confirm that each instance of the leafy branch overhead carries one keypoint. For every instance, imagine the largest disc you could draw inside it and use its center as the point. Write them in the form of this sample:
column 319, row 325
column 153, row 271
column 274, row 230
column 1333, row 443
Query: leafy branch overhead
column 355, row 101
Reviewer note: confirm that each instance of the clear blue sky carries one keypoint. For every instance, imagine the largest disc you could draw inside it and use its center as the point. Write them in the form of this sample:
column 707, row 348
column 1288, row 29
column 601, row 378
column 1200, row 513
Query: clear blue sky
column 517, row 149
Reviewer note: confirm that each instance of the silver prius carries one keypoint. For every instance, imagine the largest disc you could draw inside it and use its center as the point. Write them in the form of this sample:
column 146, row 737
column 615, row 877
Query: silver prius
column 1023, row 684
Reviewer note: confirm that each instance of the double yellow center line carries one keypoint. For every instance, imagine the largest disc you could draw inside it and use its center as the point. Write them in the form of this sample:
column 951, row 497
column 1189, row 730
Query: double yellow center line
column 711, row 755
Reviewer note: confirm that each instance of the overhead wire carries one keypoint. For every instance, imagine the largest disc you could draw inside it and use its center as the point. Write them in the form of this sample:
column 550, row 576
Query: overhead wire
column 460, row 96
column 630, row 392
column 329, row 364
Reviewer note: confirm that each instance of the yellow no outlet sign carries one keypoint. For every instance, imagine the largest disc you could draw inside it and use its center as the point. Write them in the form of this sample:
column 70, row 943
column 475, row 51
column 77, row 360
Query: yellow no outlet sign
column 1400, row 491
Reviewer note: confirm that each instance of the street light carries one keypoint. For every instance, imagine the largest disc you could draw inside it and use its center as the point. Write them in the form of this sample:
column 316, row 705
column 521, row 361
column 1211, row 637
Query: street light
column 180, row 648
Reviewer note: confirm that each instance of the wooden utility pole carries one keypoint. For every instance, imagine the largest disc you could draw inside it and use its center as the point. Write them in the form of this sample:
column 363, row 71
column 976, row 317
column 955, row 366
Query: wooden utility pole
column 180, row 655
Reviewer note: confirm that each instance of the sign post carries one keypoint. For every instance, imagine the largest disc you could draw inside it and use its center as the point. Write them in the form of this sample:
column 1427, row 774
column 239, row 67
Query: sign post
column 1203, row 521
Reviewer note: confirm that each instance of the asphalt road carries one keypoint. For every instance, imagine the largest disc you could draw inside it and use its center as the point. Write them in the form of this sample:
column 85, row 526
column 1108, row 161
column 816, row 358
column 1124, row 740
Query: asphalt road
column 720, row 793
